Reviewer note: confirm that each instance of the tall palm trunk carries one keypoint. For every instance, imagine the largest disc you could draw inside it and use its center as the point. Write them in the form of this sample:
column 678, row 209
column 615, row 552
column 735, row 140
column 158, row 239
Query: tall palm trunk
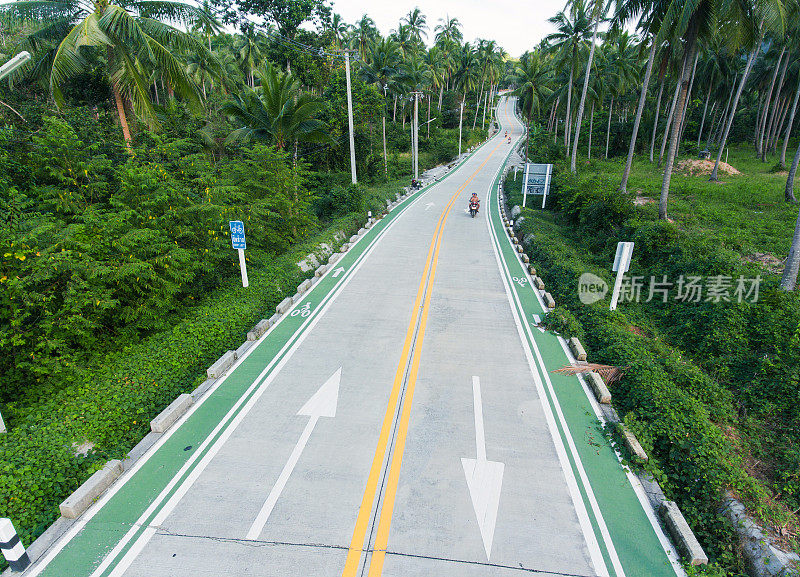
column 485, row 104
column 479, row 97
column 655, row 122
column 608, row 128
column 591, row 128
column 714, row 120
column 761, row 149
column 729, row 122
column 155, row 91
column 637, row 120
column 705, row 109
column 790, row 269
column 123, row 121
column 776, row 123
column 579, row 118
column 777, row 98
column 688, row 100
column 385, row 159
column 567, row 115
column 441, row 92
column 788, row 193
column 394, row 111
column 691, row 46
column 788, row 132
column 724, row 119
column 670, row 117
column 428, row 124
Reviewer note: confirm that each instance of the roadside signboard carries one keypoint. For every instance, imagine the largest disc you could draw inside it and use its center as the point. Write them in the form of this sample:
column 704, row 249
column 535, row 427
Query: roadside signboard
column 536, row 181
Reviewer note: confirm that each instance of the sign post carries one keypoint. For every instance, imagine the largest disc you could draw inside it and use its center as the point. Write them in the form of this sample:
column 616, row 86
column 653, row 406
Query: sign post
column 536, row 181
column 622, row 262
column 525, row 184
column 239, row 243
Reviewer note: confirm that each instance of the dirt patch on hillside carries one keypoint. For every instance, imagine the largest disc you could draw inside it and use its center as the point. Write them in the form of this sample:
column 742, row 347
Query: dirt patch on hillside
column 767, row 260
column 696, row 167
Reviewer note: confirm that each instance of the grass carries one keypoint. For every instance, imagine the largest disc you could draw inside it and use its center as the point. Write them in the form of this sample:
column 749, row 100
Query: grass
column 745, row 213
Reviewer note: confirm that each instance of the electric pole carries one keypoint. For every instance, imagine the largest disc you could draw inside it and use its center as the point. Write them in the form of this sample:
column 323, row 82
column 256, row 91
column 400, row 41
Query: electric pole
column 385, row 162
column 415, row 130
column 350, row 118
column 460, row 120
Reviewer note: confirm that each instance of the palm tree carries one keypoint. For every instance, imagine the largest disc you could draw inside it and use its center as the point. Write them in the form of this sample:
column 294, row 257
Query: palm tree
column 380, row 69
column 129, row 38
column 753, row 23
column 339, row 29
column 448, row 31
column 248, row 54
column 208, row 25
column 571, row 33
column 598, row 16
column 364, row 33
column 417, row 25
column 276, row 112
column 532, row 78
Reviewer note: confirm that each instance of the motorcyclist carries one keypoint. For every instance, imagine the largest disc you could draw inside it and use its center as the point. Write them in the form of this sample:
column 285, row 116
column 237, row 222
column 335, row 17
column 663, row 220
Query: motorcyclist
column 474, row 200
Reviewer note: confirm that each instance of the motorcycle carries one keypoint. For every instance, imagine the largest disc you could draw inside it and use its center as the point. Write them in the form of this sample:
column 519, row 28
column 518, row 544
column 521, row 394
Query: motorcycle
column 473, row 208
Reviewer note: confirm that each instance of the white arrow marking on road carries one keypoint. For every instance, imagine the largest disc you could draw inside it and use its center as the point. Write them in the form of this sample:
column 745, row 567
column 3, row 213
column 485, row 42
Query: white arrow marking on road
column 322, row 404
column 429, row 206
column 338, row 271
column 484, row 478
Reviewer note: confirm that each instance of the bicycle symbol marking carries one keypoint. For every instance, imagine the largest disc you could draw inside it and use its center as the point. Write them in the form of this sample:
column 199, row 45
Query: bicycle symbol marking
column 520, row 281
column 303, row 311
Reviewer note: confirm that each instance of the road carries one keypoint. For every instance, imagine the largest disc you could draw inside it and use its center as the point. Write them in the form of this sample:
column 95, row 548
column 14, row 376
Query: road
column 407, row 423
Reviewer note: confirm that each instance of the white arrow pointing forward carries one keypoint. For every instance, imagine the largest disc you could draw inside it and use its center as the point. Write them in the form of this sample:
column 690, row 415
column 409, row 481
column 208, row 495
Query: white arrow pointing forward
column 322, row 404
column 484, row 478
column 429, row 206
column 338, row 271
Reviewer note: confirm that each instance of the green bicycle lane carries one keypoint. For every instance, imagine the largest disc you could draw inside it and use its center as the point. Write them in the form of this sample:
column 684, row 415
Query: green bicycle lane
column 631, row 541
column 131, row 507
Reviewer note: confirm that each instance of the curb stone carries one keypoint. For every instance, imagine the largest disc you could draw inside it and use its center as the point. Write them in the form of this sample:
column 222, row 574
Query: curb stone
column 90, row 490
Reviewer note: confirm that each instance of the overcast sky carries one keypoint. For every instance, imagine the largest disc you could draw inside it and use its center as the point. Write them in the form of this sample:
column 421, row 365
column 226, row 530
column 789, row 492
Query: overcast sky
column 516, row 25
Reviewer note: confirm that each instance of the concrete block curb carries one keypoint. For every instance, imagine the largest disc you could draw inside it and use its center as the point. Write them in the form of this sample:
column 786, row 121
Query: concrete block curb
column 273, row 320
column 320, row 271
column 345, row 248
column 601, row 392
column 525, row 258
column 548, row 300
column 763, row 558
column 632, row 443
column 333, row 258
column 202, row 388
column 171, row 413
column 222, row 364
column 243, row 348
column 297, row 297
column 88, row 493
column 258, row 331
column 519, row 248
column 537, row 281
column 682, row 534
column 577, row 349
column 532, row 270
column 284, row 305
column 304, row 286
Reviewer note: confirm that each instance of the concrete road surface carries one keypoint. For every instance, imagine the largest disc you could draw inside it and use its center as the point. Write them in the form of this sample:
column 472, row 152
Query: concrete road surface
column 401, row 420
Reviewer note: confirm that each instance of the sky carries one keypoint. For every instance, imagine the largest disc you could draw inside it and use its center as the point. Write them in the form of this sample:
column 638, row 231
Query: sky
column 516, row 25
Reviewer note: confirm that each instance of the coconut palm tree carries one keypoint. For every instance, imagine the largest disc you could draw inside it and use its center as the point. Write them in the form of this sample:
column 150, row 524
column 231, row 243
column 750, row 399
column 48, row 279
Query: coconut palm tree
column 532, row 78
column 276, row 112
column 597, row 15
column 338, row 29
column 130, row 40
column 364, row 33
column 448, row 31
column 417, row 25
column 572, row 31
column 380, row 69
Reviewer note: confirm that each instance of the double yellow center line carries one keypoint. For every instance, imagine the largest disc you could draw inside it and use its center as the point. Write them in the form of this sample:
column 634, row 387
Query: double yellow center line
column 416, row 327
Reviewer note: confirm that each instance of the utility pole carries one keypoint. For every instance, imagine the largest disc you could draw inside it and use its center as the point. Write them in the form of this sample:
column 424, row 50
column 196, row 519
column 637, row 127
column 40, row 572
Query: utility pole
column 385, row 162
column 460, row 120
column 350, row 118
column 415, row 130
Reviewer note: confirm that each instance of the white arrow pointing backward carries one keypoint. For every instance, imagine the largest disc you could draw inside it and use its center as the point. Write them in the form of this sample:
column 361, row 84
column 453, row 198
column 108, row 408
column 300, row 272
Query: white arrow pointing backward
column 322, row 404
column 429, row 206
column 338, row 271
column 484, row 478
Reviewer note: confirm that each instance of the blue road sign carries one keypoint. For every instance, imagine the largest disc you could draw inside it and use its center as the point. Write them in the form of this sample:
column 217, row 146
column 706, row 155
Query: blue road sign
column 237, row 234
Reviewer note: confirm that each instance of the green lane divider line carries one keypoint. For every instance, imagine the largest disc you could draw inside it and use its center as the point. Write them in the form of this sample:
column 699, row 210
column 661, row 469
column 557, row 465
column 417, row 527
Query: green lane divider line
column 632, row 534
column 105, row 533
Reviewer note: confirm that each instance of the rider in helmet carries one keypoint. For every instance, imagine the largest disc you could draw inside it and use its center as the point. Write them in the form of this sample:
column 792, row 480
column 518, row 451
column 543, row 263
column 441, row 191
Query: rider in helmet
column 474, row 199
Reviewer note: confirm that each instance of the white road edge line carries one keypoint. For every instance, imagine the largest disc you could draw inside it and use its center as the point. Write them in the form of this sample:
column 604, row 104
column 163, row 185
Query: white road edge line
column 569, row 476
column 669, row 549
